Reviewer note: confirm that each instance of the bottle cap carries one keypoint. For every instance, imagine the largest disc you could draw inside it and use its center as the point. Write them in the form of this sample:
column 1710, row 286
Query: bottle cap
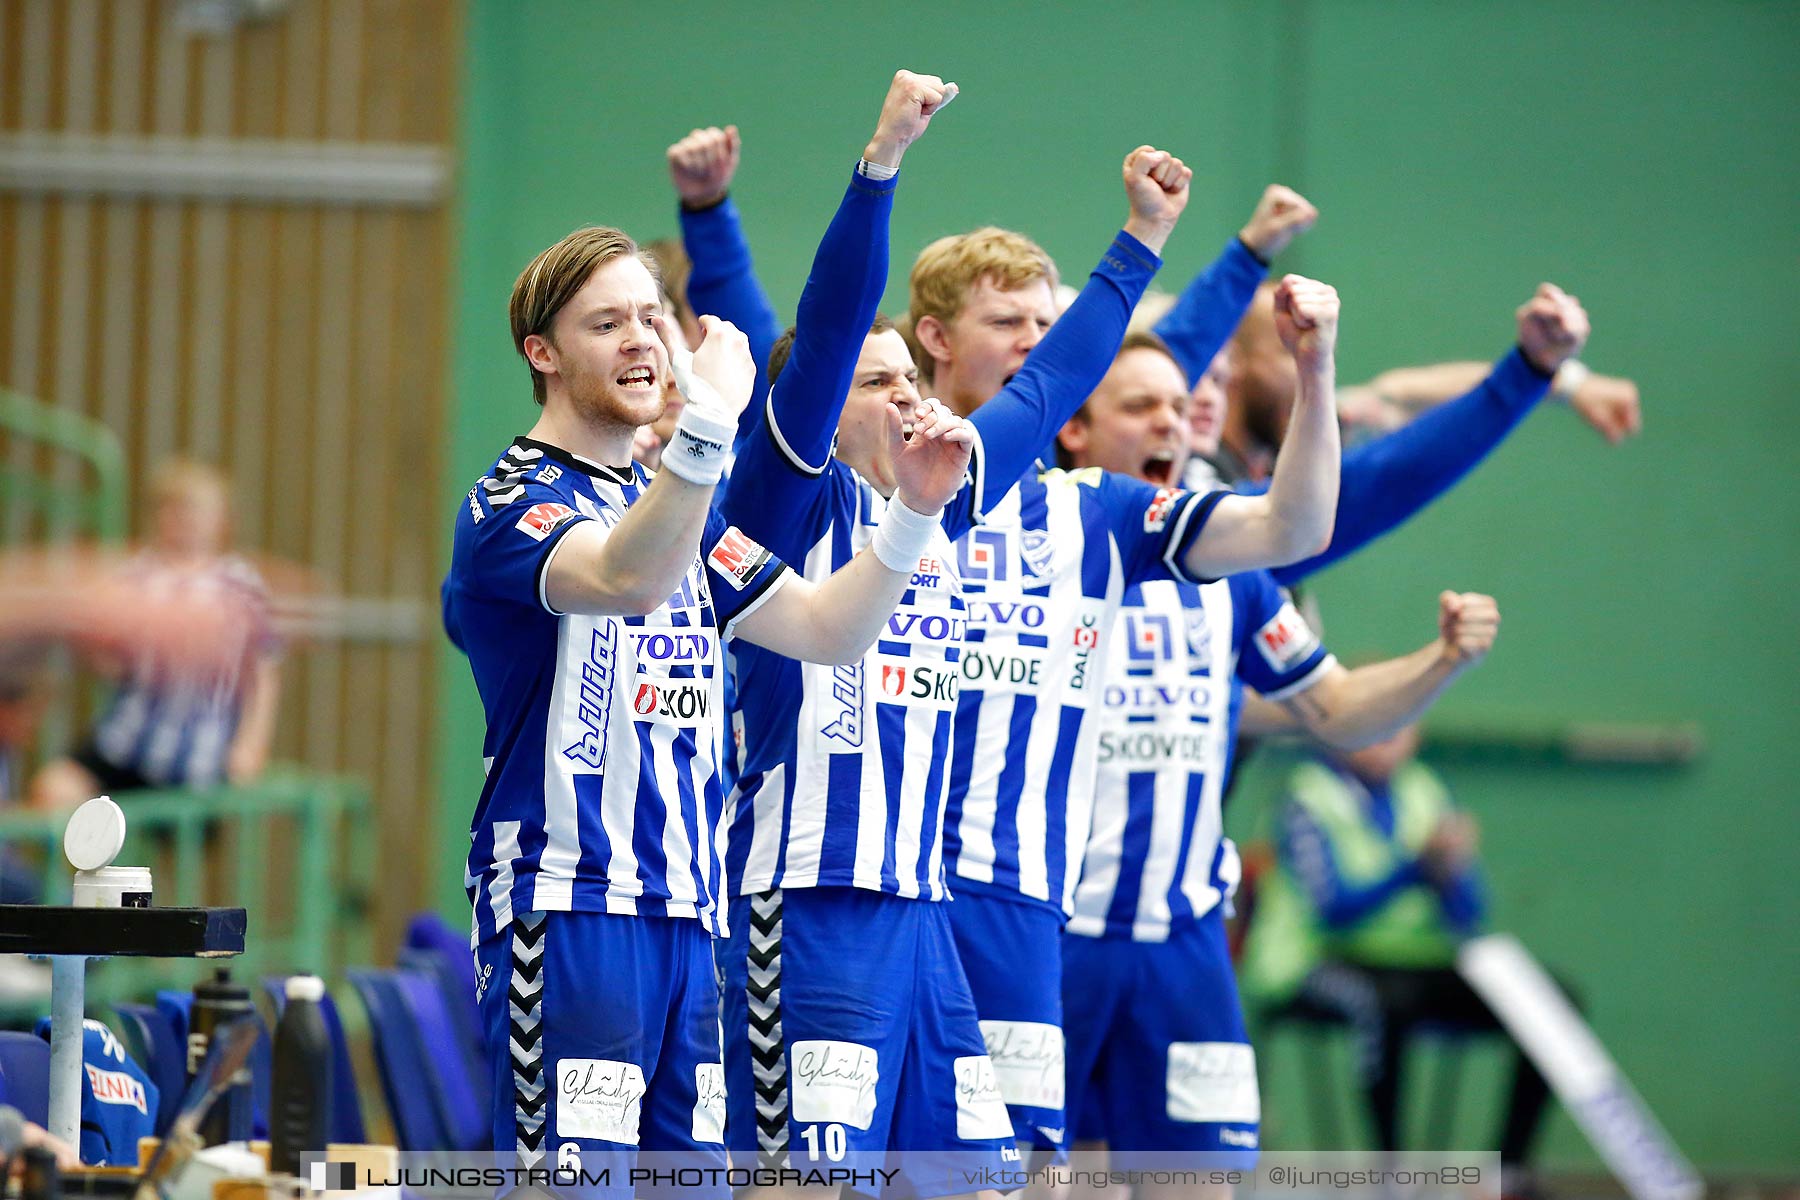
column 305, row 987
column 95, row 834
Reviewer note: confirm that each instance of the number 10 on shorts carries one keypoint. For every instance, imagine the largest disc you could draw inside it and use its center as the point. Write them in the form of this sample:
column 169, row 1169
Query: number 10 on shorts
column 835, row 1142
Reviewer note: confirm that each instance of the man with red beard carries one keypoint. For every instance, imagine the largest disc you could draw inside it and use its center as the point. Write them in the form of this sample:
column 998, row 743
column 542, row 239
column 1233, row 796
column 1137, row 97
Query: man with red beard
column 591, row 598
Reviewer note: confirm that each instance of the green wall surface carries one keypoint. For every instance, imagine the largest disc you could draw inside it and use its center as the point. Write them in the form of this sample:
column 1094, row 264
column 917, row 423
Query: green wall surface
column 1635, row 154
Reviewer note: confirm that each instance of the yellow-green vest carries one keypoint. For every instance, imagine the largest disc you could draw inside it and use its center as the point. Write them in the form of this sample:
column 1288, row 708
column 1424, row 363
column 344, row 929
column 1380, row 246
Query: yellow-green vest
column 1286, row 937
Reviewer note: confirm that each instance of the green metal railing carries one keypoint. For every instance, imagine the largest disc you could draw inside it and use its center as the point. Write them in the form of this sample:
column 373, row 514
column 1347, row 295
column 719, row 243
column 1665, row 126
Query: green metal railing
column 94, row 506
column 295, row 850
column 87, row 503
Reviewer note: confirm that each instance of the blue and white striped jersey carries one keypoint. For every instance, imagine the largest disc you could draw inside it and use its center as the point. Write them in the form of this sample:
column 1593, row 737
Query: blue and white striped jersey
column 1157, row 858
column 841, row 780
column 602, row 732
column 1042, row 579
column 166, row 721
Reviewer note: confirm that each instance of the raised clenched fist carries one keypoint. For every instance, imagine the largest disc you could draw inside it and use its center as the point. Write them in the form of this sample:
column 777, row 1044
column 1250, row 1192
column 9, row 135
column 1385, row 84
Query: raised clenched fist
column 1610, row 404
column 1553, row 327
column 1156, row 184
column 1281, row 216
column 1468, row 623
column 1306, row 319
column 702, row 163
column 912, row 101
column 930, row 447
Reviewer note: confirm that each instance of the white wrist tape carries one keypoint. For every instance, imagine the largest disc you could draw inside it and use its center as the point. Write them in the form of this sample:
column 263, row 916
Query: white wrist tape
column 693, row 388
column 903, row 537
column 1569, row 378
column 699, row 446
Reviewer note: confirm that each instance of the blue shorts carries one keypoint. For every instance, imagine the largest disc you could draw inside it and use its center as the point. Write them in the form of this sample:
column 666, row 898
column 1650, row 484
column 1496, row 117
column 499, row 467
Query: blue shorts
column 1158, row 1057
column 602, row 1040
column 851, row 1043
column 1012, row 953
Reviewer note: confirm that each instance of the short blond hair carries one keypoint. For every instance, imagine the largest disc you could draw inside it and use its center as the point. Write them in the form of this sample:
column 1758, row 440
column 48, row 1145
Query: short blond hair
column 551, row 280
column 948, row 269
column 185, row 477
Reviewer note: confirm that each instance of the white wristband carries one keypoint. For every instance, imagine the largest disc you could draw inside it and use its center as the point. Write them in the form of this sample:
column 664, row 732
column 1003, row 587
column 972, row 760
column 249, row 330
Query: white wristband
column 903, row 537
column 1569, row 378
column 699, row 446
column 869, row 170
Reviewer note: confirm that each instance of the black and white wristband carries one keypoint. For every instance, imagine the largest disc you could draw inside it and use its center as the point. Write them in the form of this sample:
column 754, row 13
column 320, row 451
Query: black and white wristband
column 701, row 443
column 699, row 447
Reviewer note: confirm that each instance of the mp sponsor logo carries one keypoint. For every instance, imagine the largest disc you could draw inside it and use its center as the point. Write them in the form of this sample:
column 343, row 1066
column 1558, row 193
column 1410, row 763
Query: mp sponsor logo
column 1156, row 516
column 1286, row 639
column 541, row 520
column 682, row 702
column 738, row 559
column 925, row 684
column 593, row 705
column 847, row 703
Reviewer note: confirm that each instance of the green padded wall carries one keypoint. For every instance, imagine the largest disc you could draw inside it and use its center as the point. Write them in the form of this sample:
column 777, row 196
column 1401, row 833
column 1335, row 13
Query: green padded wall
column 1460, row 153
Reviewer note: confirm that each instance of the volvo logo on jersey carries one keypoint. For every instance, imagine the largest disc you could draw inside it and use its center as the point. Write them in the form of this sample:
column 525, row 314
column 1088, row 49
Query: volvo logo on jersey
column 674, row 646
column 932, row 628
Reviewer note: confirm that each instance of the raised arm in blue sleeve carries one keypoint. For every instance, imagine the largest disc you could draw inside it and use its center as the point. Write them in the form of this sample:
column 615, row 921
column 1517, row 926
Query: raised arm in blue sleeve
column 1061, row 371
column 1210, row 307
column 776, row 488
column 1386, row 481
column 723, row 283
column 842, row 295
column 1308, row 855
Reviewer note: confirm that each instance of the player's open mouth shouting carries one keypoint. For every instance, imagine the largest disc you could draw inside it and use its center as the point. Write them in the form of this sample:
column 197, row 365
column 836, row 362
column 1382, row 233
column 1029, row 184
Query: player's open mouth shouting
column 638, row 379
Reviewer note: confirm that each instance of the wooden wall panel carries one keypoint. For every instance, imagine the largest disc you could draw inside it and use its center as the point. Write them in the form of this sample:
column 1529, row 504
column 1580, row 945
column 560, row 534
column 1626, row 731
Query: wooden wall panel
column 300, row 344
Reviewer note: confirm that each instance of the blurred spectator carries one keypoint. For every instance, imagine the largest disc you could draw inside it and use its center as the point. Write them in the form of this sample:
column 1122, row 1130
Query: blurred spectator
column 1376, row 885
column 178, row 719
